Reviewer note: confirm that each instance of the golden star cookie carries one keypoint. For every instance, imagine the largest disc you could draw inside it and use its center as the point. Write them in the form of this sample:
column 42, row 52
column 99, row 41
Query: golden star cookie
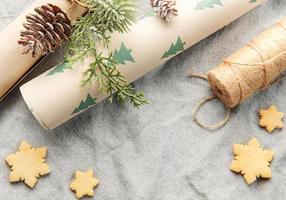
column 252, row 161
column 271, row 119
column 28, row 164
column 84, row 184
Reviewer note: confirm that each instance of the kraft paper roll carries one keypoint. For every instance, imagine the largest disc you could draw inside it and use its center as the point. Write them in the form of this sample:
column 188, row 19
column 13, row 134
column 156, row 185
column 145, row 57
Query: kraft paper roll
column 14, row 65
column 56, row 96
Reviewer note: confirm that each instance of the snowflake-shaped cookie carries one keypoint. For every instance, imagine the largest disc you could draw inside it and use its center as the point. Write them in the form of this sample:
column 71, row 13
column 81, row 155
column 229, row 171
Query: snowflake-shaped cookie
column 271, row 119
column 84, row 183
column 251, row 161
column 27, row 164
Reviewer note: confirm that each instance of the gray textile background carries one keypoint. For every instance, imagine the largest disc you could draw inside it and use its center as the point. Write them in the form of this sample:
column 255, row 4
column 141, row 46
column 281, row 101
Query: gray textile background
column 157, row 152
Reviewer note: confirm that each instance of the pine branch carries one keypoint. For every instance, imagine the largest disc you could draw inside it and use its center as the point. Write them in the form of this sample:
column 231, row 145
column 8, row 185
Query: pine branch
column 104, row 71
column 104, row 17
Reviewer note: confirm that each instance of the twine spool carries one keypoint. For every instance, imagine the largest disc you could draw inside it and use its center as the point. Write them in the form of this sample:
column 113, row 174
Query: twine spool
column 252, row 68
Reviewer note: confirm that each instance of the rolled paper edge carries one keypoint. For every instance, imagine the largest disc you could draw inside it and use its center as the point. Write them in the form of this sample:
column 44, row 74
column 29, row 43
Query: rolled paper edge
column 30, row 107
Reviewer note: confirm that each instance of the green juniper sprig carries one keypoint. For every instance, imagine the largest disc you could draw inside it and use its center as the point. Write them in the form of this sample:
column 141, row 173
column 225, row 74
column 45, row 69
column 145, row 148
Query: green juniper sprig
column 103, row 18
column 104, row 71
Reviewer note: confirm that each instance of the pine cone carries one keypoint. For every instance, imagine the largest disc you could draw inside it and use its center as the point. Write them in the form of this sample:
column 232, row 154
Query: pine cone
column 45, row 31
column 166, row 9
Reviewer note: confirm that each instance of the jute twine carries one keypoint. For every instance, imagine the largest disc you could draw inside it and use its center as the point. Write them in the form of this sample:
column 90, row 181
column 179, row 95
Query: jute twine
column 252, row 68
column 203, row 101
column 79, row 2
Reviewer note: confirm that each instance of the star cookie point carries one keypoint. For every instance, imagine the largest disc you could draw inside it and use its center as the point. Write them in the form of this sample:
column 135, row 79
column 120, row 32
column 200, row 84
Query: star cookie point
column 252, row 161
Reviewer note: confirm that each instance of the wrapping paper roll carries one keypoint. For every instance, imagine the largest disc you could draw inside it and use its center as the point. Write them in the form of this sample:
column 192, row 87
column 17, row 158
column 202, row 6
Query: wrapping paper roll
column 56, row 96
column 14, row 65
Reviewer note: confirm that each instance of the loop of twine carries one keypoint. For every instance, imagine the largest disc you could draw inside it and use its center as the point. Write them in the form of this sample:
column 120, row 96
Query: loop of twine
column 219, row 124
column 216, row 126
column 193, row 74
column 79, row 2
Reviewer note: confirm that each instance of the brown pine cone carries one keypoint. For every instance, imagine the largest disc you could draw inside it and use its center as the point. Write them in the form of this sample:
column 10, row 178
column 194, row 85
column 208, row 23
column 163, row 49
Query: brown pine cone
column 45, row 31
column 166, row 9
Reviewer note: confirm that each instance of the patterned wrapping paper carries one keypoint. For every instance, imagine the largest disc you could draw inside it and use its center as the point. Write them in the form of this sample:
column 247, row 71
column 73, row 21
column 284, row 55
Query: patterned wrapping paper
column 56, row 96
column 14, row 65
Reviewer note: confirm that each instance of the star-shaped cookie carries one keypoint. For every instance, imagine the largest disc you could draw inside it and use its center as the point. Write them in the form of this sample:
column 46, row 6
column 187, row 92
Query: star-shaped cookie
column 252, row 161
column 84, row 183
column 271, row 119
column 27, row 164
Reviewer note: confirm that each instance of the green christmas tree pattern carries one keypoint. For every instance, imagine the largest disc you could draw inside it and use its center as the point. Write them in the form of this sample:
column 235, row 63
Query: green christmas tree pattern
column 122, row 55
column 60, row 68
column 202, row 4
column 175, row 48
column 85, row 104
